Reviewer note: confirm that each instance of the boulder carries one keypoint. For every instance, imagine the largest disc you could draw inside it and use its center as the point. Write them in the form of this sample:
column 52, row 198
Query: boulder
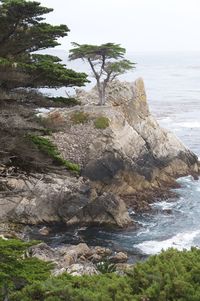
column 79, row 269
column 104, row 210
column 102, row 251
column 119, row 258
column 42, row 251
column 74, row 259
column 44, row 231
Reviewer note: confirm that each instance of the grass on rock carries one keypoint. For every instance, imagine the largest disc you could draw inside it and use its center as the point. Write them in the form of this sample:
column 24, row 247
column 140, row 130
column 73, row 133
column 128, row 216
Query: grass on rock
column 79, row 117
column 101, row 122
column 47, row 147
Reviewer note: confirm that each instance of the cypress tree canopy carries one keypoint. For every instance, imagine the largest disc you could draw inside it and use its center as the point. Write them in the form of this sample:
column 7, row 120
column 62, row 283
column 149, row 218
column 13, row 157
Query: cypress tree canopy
column 23, row 31
column 106, row 62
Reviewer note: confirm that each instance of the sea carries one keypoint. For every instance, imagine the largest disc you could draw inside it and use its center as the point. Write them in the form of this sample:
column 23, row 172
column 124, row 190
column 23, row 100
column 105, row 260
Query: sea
column 172, row 82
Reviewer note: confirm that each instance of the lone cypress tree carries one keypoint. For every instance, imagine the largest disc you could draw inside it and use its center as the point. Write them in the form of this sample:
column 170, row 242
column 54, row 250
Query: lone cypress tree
column 23, row 31
column 106, row 61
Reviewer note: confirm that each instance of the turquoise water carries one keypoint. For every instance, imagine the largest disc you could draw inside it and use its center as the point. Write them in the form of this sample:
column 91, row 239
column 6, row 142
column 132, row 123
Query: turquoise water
column 172, row 83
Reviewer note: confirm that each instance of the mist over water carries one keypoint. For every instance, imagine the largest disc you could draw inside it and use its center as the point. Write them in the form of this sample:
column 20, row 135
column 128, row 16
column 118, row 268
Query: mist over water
column 172, row 83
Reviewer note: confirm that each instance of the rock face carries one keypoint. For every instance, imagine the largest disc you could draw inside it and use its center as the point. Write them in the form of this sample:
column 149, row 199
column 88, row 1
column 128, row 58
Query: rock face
column 132, row 155
column 55, row 198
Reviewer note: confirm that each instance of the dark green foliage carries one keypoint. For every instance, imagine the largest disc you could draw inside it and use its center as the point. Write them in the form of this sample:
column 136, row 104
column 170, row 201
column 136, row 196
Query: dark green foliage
column 101, row 122
column 85, row 51
column 47, row 71
column 66, row 101
column 79, row 117
column 46, row 146
column 170, row 276
column 16, row 270
column 23, row 31
column 106, row 287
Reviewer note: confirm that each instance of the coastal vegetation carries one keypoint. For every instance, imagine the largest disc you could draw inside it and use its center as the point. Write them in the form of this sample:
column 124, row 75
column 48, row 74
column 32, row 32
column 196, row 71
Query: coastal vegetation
column 22, row 33
column 79, row 117
column 106, row 62
column 65, row 101
column 28, row 151
column 46, row 146
column 171, row 275
column 101, row 122
column 16, row 269
column 25, row 67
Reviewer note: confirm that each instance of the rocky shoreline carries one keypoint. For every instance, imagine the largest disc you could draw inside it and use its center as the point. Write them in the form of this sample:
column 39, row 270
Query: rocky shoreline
column 79, row 259
column 125, row 165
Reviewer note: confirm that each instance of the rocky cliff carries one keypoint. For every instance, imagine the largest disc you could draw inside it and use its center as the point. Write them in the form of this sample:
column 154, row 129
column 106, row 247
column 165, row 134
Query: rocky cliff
column 122, row 152
column 133, row 153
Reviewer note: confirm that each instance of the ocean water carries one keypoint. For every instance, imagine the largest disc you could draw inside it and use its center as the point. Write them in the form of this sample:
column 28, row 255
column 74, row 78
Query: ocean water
column 172, row 83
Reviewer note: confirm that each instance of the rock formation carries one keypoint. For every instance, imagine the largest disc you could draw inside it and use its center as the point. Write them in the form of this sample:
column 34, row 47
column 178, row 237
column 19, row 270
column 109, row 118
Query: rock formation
column 131, row 155
column 51, row 198
column 78, row 259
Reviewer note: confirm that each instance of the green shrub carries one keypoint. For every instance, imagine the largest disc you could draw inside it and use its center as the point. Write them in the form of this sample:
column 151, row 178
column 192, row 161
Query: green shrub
column 107, row 287
column 79, row 117
column 101, row 122
column 46, row 146
column 66, row 101
column 171, row 276
column 16, row 270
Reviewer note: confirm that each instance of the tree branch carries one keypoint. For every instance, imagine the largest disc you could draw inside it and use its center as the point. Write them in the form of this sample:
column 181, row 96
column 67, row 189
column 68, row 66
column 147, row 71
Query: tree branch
column 103, row 65
column 93, row 69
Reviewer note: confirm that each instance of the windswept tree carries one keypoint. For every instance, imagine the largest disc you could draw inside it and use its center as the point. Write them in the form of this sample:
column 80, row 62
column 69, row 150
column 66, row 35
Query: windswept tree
column 23, row 31
column 106, row 61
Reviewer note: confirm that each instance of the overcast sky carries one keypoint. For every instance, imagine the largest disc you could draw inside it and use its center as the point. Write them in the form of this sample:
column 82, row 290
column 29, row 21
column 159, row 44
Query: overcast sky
column 138, row 25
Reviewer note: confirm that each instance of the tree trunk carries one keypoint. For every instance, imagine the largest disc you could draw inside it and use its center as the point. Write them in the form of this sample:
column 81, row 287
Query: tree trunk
column 103, row 95
column 104, row 85
column 100, row 92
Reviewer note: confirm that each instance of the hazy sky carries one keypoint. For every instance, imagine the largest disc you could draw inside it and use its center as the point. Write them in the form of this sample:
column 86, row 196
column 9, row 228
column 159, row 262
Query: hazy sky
column 139, row 25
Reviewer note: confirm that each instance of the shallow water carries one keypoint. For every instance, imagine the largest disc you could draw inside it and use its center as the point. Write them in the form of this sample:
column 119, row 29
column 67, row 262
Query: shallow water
column 173, row 87
column 159, row 229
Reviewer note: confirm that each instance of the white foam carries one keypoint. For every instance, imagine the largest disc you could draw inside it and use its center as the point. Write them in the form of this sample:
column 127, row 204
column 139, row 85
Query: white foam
column 163, row 205
column 143, row 232
column 166, row 119
column 180, row 241
column 191, row 124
